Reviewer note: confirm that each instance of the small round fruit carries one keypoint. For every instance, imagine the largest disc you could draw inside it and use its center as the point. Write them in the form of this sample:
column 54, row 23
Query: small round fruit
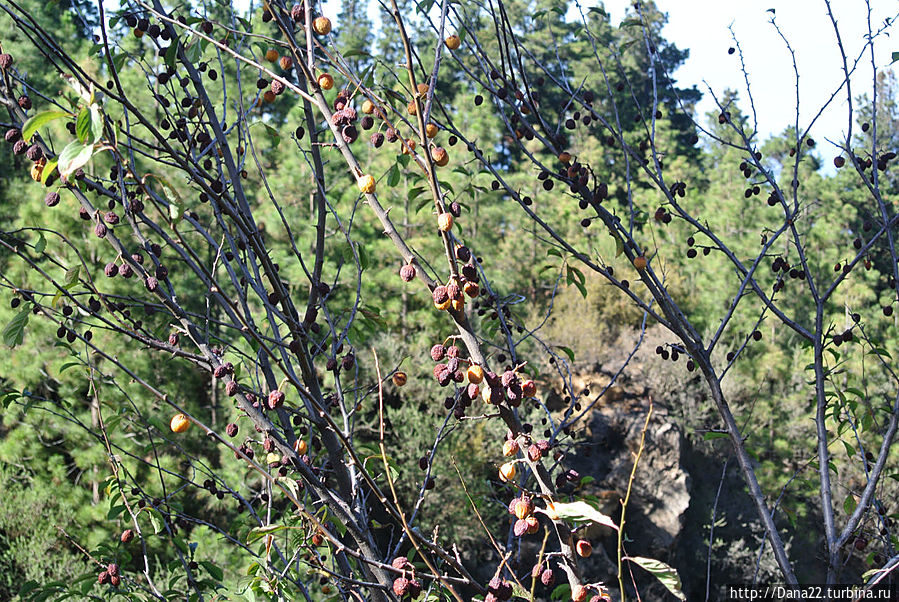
column 411, row 108
column 399, row 379
column 475, row 374
column 269, row 96
column 366, row 184
column 510, row 448
column 507, row 471
column 578, row 593
column 325, row 81
column 300, row 446
column 422, row 89
column 640, row 262
column 439, row 156
column 271, row 55
column 839, row 161
column 445, row 222
column 564, row 157
column 407, row 272
column 368, row 107
column 529, row 388
column 127, row 536
column 409, row 146
column 471, row 289
column 285, row 62
column 453, row 42
column 584, row 548
column 431, row 130
column 321, row 26
column 179, row 423
column 458, row 304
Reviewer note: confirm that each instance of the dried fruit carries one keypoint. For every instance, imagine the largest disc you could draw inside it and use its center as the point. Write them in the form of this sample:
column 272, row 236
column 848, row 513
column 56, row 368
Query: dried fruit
column 285, row 62
column 564, row 157
column 439, row 156
column 103, row 578
column 438, row 352
column 231, row 429
column 52, row 199
column 399, row 379
column 578, row 593
column 271, row 55
column 507, row 471
column 5, row 61
column 407, row 272
column 471, row 289
column 321, row 26
column 366, row 184
column 112, row 569
column 529, row 388
column 524, row 507
column 520, row 528
column 445, row 222
column 401, row 586
column 510, row 448
column 401, row 563
column 453, row 42
column 127, row 536
column 548, row 578
column 441, row 298
column 179, row 423
column 584, row 548
column 275, row 399
column 431, row 130
column 325, row 81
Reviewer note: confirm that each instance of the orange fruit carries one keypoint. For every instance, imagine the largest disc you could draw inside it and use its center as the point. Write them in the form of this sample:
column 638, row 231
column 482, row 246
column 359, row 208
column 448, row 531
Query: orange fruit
column 179, row 423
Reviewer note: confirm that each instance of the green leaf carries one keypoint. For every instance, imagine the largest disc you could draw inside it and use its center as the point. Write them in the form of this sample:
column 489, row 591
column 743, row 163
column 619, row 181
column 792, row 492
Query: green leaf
column 581, row 512
column 71, row 277
column 40, row 120
column 895, row 57
column 83, row 125
column 14, row 333
column 714, row 435
column 258, row 532
column 664, row 573
column 118, row 61
column 567, row 351
column 393, row 178
column 74, row 156
column 214, row 571
column 41, row 244
column 49, row 168
column 849, row 504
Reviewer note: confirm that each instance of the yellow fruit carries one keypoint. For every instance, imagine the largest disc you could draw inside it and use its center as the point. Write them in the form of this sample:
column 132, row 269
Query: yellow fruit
column 475, row 374
column 444, row 305
column 422, row 89
column 37, row 170
column 368, row 107
column 523, row 508
column 431, row 130
column 485, row 394
column 510, row 448
column 179, row 423
column 300, row 446
column 640, row 262
column 271, row 55
column 366, row 184
column 507, row 471
column 325, row 81
column 445, row 222
column 272, row 458
column 399, row 379
column 471, row 289
column 458, row 304
column 321, row 26
column 453, row 42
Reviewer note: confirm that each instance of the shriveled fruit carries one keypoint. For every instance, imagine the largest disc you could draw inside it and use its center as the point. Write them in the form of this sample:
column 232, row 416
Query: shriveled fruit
column 529, row 388
column 399, row 379
column 285, row 62
column 445, row 222
column 431, row 130
column 507, row 471
column 275, row 399
column 584, row 548
column 510, row 448
column 325, row 81
column 179, row 423
column 439, row 156
column 407, row 272
column 401, row 586
column 524, row 507
column 441, row 298
column 472, row 289
column 127, row 536
column 578, row 593
column 366, row 184
column 321, row 26
column 271, row 55
column 453, row 42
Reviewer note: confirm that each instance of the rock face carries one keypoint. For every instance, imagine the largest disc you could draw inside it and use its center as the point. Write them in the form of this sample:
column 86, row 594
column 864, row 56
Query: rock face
column 661, row 489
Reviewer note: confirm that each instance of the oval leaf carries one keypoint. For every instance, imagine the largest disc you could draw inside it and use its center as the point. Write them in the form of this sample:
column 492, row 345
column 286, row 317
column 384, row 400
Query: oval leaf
column 74, row 156
column 40, row 120
column 581, row 512
column 664, row 573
